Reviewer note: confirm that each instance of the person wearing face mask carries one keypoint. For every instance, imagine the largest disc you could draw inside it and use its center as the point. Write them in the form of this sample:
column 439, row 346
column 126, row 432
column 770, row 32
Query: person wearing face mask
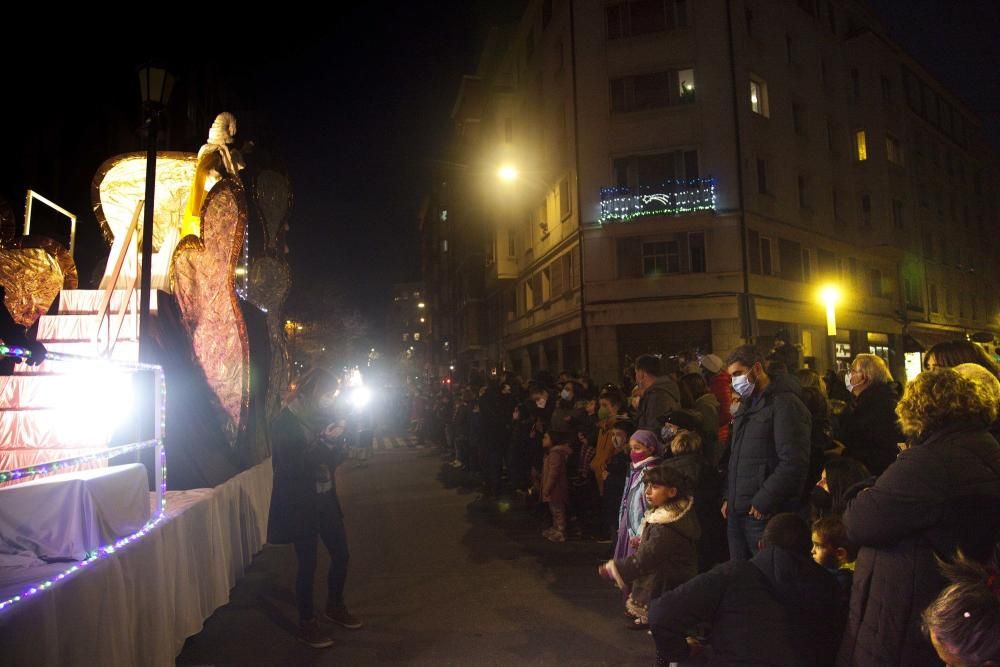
column 566, row 412
column 659, row 394
column 870, row 431
column 644, row 451
column 769, row 454
column 306, row 450
column 611, row 408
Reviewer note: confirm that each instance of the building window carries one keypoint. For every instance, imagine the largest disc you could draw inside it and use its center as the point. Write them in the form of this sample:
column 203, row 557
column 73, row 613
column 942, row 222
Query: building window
column 893, row 150
column 444, row 245
column 856, row 83
column 758, row 97
column 685, row 85
column 767, row 258
column 511, row 243
column 803, row 195
column 652, row 91
column 696, row 246
column 836, row 205
column 798, row 122
column 897, row 214
column 762, row 176
column 886, row 90
column 875, row 283
column 866, row 210
column 444, row 216
column 565, row 206
column 642, row 17
column 406, row 337
column 789, row 49
column 546, row 13
column 660, row 257
column 806, row 265
column 861, row 145
column 416, row 336
column 655, row 170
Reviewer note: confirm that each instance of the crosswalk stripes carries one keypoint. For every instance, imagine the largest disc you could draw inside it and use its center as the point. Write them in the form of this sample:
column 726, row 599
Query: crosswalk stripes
column 387, row 442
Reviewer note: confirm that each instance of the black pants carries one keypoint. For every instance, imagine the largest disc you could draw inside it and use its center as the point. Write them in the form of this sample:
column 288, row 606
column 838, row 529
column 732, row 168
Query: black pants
column 331, row 531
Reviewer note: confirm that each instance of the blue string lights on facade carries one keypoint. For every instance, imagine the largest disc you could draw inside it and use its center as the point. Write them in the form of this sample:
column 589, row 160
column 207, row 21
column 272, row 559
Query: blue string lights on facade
column 621, row 203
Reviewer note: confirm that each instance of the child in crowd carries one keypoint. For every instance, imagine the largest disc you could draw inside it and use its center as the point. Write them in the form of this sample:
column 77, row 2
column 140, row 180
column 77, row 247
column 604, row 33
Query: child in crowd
column 644, row 450
column 555, row 485
column 667, row 554
column 832, row 550
column 963, row 623
column 614, row 474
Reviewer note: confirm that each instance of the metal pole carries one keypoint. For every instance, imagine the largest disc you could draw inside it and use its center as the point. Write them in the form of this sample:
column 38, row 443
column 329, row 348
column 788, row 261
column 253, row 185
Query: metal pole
column 146, row 283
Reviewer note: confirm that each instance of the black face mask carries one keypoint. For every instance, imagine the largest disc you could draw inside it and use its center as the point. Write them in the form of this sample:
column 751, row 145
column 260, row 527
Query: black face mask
column 821, row 500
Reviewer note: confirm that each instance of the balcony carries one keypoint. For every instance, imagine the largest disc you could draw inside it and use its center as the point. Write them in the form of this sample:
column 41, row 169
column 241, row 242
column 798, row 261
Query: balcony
column 621, row 204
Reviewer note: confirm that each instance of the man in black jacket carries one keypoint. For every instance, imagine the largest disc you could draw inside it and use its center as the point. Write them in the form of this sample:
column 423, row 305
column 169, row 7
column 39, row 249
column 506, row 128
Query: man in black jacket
column 779, row 608
column 769, row 455
column 660, row 394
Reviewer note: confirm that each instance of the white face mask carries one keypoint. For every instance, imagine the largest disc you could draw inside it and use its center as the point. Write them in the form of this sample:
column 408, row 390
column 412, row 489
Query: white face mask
column 667, row 433
column 742, row 385
column 564, row 394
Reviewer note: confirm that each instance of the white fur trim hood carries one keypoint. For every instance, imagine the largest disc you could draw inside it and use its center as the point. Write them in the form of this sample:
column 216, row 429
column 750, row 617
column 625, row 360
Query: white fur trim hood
column 668, row 513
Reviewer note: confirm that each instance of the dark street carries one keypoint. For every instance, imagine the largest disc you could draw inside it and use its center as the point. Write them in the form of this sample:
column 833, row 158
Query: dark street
column 437, row 580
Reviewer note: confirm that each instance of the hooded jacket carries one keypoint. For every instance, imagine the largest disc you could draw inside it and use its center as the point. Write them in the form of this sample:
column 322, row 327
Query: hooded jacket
column 633, row 506
column 555, row 484
column 779, row 608
column 769, row 456
column 660, row 399
column 667, row 555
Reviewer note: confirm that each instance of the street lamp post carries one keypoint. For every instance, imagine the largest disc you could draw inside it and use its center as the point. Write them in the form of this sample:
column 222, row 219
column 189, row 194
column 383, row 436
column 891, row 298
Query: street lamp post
column 830, row 295
column 155, row 85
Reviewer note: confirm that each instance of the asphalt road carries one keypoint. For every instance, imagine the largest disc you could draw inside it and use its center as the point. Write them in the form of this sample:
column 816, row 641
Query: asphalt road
column 438, row 579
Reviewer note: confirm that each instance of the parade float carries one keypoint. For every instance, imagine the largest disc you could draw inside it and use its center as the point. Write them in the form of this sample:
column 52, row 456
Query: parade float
column 133, row 493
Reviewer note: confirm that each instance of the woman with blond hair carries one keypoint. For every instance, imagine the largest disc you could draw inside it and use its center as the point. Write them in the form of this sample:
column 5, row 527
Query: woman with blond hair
column 940, row 495
column 869, row 430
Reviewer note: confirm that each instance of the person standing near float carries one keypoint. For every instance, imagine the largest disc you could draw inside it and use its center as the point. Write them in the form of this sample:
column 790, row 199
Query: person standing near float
column 306, row 450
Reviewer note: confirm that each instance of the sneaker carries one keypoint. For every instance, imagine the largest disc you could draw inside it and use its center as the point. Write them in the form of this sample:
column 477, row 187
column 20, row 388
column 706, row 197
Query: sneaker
column 311, row 635
column 556, row 536
column 342, row 617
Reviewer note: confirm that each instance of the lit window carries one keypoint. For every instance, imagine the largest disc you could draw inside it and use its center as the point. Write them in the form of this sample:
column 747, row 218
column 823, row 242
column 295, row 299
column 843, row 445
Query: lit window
column 861, row 142
column 444, row 216
column 416, row 336
column 444, row 245
column 758, row 97
column 685, row 85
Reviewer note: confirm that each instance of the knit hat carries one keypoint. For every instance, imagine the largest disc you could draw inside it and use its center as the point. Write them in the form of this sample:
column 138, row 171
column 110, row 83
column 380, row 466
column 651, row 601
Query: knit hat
column 683, row 419
column 647, row 438
column 711, row 363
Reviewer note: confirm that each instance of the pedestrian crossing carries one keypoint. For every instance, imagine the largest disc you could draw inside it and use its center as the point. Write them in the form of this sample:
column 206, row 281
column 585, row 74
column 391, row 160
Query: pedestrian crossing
column 388, row 442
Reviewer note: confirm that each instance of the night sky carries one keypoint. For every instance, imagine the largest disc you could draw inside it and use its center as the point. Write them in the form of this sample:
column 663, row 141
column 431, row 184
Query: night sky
column 358, row 108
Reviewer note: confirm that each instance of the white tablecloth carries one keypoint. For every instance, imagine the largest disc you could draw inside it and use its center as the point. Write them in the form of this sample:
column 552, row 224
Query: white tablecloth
column 63, row 517
column 138, row 606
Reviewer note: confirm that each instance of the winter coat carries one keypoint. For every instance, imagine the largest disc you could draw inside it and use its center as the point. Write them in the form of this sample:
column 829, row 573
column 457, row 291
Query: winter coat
column 605, row 450
column 940, row 494
column 707, row 405
column 667, row 555
column 721, row 386
column 769, row 455
column 870, row 431
column 660, row 398
column 296, row 455
column 778, row 608
column 633, row 507
column 555, row 483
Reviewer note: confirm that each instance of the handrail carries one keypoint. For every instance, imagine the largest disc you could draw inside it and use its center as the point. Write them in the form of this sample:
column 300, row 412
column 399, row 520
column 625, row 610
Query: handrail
column 30, row 197
column 105, row 310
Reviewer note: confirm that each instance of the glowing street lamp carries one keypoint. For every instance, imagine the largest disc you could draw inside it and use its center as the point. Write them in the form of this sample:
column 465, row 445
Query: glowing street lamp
column 508, row 173
column 421, row 305
column 830, row 295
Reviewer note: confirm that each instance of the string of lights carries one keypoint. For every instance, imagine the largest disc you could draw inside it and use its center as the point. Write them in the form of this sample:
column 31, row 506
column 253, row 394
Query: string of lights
column 621, row 203
column 106, row 550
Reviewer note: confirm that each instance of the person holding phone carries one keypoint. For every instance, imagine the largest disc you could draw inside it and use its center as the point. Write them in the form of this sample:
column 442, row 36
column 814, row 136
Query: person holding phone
column 307, row 446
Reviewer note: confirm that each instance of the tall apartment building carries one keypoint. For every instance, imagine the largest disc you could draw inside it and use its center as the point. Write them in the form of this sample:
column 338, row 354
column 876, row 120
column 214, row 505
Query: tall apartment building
column 692, row 172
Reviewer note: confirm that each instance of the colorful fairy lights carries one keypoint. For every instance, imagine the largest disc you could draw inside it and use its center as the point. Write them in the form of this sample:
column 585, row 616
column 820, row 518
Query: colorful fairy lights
column 160, row 424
